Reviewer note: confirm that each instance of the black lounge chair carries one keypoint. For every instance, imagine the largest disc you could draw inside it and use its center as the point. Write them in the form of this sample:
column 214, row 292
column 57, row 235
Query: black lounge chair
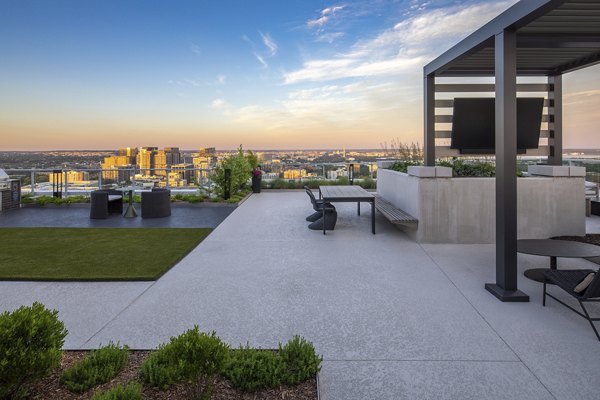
column 104, row 202
column 156, row 204
column 317, row 218
column 568, row 280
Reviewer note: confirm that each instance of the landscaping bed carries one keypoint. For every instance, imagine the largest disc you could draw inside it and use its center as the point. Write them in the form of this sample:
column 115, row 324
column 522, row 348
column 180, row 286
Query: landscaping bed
column 50, row 387
column 94, row 254
column 192, row 365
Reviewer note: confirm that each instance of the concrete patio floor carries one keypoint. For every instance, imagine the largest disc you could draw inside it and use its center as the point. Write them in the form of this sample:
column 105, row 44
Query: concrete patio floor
column 394, row 319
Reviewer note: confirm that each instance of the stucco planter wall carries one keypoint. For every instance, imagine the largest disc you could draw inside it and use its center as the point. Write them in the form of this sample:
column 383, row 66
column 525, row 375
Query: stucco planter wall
column 463, row 210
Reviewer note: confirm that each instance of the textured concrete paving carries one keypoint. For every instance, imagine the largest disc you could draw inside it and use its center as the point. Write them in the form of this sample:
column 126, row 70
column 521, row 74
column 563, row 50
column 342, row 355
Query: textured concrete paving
column 393, row 319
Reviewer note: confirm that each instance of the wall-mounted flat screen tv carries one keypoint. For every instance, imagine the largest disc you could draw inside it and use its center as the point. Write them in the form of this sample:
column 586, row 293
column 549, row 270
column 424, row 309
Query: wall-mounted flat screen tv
column 474, row 124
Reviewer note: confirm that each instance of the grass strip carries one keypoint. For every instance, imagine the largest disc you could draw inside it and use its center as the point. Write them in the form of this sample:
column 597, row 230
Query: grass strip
column 94, row 254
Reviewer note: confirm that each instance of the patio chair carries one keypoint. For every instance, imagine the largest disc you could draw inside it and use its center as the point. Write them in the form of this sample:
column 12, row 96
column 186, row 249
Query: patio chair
column 156, row 203
column 317, row 218
column 573, row 282
column 316, row 206
column 104, row 202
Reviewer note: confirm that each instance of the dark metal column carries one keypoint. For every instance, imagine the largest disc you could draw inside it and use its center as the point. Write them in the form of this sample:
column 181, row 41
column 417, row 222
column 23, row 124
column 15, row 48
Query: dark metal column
column 555, row 123
column 429, row 118
column 505, row 287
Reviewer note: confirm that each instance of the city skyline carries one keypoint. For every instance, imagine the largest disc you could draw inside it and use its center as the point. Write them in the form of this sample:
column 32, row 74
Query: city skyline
column 268, row 75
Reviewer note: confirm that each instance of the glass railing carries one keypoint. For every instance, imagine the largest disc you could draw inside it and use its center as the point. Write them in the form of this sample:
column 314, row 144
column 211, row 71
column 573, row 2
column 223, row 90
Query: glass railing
column 79, row 181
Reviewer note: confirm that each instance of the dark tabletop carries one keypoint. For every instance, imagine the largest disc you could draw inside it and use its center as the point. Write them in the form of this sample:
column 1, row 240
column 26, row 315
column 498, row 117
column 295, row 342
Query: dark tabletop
column 345, row 192
column 557, row 248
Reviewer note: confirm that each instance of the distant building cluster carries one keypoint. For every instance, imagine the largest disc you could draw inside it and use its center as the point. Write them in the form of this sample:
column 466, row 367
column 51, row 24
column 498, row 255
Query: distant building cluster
column 149, row 164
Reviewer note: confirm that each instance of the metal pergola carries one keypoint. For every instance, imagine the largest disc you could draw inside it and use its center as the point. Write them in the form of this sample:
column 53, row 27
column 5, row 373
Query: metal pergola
column 532, row 38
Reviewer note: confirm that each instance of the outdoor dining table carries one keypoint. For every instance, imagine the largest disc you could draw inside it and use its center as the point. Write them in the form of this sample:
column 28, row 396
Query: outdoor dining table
column 130, row 212
column 347, row 193
column 554, row 249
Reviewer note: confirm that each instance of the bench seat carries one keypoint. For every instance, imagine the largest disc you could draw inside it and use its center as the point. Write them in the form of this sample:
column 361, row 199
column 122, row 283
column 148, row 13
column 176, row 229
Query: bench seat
column 393, row 213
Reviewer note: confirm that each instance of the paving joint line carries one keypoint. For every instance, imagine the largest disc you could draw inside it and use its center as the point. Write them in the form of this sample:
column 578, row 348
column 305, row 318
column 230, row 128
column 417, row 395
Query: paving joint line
column 485, row 320
column 117, row 315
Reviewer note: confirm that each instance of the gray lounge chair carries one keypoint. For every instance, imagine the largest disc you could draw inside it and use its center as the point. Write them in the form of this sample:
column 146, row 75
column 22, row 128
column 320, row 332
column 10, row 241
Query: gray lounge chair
column 568, row 281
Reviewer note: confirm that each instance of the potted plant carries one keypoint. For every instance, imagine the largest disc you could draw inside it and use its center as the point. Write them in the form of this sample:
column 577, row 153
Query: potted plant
column 256, row 179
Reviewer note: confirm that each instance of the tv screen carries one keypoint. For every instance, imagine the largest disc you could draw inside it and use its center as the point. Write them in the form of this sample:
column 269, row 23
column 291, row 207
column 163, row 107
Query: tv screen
column 474, row 124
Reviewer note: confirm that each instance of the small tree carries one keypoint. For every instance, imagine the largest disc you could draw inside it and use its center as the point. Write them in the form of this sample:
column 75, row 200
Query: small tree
column 241, row 167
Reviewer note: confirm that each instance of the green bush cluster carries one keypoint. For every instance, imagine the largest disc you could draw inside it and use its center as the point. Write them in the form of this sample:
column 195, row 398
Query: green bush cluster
column 132, row 391
column 241, row 166
column 475, row 168
column 31, row 339
column 402, row 166
column 366, row 183
column 43, row 200
column 252, row 369
column 460, row 167
column 187, row 357
column 98, row 367
column 190, row 198
column 300, row 360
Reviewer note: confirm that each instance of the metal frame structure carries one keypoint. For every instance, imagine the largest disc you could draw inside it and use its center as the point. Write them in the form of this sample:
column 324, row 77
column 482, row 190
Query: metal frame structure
column 532, row 38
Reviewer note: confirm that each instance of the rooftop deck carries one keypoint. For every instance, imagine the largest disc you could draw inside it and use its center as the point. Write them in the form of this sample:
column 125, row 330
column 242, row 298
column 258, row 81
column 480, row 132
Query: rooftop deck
column 394, row 319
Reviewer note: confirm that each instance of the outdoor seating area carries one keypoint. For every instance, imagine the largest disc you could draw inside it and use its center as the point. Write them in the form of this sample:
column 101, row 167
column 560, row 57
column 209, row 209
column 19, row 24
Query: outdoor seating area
column 156, row 203
column 359, row 297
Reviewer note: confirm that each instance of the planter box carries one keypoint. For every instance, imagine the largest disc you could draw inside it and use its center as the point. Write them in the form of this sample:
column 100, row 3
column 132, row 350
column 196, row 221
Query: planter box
column 463, row 210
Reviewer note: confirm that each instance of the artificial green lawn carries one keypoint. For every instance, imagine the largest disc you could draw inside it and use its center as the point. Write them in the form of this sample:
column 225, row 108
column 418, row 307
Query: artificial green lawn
column 93, row 254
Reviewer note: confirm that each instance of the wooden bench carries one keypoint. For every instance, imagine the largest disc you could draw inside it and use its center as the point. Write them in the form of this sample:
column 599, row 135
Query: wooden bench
column 393, row 213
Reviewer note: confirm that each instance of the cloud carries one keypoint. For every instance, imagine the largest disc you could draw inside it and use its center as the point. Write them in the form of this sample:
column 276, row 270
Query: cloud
column 325, row 16
column 410, row 44
column 195, row 49
column 320, row 22
column 221, row 79
column 270, row 43
column 329, row 37
column 220, row 104
column 261, row 60
column 260, row 55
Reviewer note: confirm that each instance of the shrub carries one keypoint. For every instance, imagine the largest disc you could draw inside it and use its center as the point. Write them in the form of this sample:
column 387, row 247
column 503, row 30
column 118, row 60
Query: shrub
column 190, row 198
column 99, row 366
column 189, row 356
column 30, row 347
column 367, row 183
column 472, row 168
column 133, row 391
column 300, row 360
column 241, row 169
column 27, row 198
column 253, row 369
column 402, row 166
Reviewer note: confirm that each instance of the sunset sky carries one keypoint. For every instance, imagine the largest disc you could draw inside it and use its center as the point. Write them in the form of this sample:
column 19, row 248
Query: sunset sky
column 266, row 74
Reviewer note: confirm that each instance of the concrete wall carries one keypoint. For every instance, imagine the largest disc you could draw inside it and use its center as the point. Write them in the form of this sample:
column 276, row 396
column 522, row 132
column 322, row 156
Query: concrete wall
column 463, row 210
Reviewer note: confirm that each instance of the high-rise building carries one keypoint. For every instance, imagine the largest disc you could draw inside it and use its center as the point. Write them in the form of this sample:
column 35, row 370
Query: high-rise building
column 70, row 177
column 128, row 152
column 173, row 155
column 182, row 171
column 204, row 160
column 164, row 159
column 145, row 160
column 113, row 164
